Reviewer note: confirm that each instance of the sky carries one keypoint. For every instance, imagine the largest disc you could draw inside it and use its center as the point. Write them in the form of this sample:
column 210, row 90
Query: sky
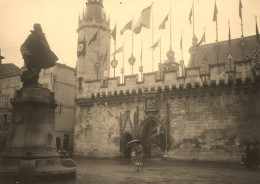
column 59, row 20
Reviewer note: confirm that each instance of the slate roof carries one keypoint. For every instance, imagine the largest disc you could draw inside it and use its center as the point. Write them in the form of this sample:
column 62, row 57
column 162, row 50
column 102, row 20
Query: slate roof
column 236, row 50
column 9, row 69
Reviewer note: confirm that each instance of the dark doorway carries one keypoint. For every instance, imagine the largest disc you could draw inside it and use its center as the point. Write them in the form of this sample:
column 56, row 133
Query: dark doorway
column 58, row 144
column 124, row 148
column 2, row 143
column 153, row 140
column 66, row 142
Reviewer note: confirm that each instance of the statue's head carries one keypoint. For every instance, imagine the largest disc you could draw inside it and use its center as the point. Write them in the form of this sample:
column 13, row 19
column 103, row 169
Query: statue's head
column 37, row 27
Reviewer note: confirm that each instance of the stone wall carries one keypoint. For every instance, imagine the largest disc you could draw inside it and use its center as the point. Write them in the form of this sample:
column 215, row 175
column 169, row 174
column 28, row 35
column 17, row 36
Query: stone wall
column 205, row 117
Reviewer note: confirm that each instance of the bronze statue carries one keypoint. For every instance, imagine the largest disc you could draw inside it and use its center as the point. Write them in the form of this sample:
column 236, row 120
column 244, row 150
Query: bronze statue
column 37, row 55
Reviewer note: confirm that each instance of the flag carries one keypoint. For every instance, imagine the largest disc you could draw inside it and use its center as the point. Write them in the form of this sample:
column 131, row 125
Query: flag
column 155, row 45
column 162, row 25
column 201, row 40
column 144, row 20
column 126, row 27
column 190, row 15
column 141, row 56
column 81, row 51
column 94, row 38
column 240, row 9
column 257, row 34
column 181, row 43
column 113, row 33
column 105, row 58
column 229, row 37
column 215, row 13
column 118, row 50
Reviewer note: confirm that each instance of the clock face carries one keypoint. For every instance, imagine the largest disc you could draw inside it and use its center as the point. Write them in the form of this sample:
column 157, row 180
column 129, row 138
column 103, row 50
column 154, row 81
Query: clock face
column 80, row 47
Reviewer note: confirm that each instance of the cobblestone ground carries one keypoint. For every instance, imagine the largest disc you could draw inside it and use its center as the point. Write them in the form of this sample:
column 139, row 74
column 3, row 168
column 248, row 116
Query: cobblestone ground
column 156, row 171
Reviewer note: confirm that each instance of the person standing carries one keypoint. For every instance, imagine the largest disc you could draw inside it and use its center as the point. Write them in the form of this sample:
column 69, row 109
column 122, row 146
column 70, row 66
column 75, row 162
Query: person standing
column 139, row 155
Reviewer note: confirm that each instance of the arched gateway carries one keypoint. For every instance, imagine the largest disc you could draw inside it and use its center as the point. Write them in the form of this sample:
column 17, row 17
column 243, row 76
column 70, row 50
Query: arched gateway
column 152, row 134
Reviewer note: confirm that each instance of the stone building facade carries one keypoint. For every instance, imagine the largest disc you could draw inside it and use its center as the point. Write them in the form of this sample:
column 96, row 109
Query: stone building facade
column 9, row 83
column 60, row 79
column 207, row 111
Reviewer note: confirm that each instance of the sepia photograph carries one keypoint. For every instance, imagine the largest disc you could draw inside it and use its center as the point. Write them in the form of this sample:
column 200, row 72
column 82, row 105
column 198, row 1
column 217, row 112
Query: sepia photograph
column 129, row 92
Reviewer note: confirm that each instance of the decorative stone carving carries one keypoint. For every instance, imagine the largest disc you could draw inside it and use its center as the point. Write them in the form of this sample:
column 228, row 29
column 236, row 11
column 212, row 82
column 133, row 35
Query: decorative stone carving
column 151, row 103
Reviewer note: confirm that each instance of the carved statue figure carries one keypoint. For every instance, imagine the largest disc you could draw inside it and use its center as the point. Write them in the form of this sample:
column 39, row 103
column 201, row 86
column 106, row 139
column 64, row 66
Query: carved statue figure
column 37, row 55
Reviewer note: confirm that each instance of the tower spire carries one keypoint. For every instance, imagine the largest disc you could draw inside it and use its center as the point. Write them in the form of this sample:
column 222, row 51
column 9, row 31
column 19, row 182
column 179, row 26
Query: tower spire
column 93, row 15
column 83, row 15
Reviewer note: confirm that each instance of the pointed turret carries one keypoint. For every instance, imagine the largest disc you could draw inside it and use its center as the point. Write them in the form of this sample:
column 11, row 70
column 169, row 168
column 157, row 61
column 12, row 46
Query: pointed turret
column 83, row 15
column 79, row 21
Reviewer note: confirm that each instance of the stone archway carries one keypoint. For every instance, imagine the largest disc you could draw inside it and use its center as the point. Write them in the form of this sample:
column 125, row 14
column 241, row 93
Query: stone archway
column 152, row 134
column 124, row 149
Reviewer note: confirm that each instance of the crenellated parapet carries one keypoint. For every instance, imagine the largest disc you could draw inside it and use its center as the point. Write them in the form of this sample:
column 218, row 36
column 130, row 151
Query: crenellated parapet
column 194, row 82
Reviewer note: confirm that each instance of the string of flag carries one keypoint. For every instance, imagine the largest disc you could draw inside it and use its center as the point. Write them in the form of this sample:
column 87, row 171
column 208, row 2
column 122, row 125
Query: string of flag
column 144, row 21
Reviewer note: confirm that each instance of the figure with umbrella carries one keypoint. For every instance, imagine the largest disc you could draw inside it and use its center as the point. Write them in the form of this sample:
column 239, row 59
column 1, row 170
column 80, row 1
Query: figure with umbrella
column 138, row 152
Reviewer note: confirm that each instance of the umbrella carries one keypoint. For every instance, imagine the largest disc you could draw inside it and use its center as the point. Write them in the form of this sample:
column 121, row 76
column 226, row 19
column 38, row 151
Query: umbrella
column 133, row 141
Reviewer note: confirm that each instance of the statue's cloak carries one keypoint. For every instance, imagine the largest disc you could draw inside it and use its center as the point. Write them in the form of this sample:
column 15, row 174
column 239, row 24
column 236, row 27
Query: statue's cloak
column 37, row 53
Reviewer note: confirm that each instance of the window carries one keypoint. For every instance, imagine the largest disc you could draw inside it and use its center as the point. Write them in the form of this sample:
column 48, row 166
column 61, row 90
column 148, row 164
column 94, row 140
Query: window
column 6, row 100
column 5, row 120
column 8, row 83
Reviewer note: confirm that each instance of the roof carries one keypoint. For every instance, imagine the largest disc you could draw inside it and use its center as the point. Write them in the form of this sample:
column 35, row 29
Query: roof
column 65, row 66
column 9, row 69
column 236, row 50
column 94, row 10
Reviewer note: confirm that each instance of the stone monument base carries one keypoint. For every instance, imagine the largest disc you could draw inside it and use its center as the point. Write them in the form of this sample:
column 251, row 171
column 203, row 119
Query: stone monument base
column 37, row 167
column 31, row 142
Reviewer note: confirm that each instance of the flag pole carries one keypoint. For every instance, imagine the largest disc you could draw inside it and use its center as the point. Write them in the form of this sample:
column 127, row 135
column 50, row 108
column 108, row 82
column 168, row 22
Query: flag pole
column 229, row 46
column 123, row 61
column 193, row 32
column 160, row 51
column 216, row 28
column 205, row 34
column 242, row 32
column 98, row 56
column 170, row 27
column 205, row 51
column 229, row 43
column 141, row 59
column 152, row 39
column 256, row 33
column 181, row 47
column 160, row 58
column 193, row 23
column 132, row 37
column 115, row 44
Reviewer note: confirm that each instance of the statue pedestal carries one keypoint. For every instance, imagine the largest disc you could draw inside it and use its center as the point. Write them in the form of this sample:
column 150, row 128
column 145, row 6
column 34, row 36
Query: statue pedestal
column 31, row 146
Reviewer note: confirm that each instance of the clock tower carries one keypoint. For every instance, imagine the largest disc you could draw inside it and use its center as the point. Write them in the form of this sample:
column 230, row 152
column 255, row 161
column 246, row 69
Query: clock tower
column 93, row 49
